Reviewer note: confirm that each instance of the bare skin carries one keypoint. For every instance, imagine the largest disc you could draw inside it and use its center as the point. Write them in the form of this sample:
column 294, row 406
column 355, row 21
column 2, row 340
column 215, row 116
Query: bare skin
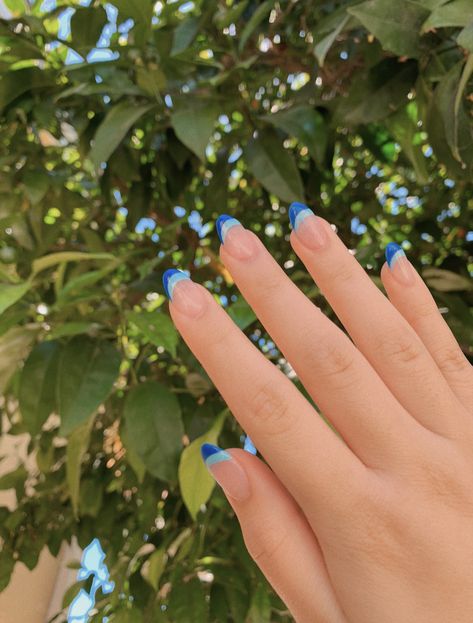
column 374, row 525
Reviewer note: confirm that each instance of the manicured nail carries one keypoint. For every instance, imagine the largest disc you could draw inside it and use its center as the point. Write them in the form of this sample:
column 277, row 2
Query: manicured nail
column 249, row 446
column 185, row 295
column 308, row 227
column 227, row 471
column 400, row 266
column 238, row 241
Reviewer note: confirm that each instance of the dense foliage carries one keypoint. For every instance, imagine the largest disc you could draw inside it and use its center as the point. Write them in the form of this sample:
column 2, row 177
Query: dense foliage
column 126, row 129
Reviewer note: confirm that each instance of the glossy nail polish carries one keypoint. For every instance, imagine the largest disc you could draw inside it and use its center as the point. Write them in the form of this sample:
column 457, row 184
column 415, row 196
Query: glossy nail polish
column 237, row 241
column 185, row 295
column 399, row 265
column 227, row 471
column 249, row 446
column 307, row 226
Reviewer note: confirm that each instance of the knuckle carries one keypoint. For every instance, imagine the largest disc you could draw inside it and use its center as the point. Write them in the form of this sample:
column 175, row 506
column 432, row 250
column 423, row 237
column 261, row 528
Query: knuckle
column 451, row 359
column 401, row 347
column 270, row 407
column 337, row 363
column 264, row 542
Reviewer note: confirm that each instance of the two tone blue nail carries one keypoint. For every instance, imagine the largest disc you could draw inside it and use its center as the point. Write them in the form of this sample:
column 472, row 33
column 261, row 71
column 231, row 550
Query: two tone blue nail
column 212, row 454
column 393, row 254
column 170, row 278
column 223, row 224
column 298, row 212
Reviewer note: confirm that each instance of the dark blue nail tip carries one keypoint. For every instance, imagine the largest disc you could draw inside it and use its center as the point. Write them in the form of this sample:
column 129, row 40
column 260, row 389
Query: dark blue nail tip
column 392, row 250
column 294, row 209
column 218, row 224
column 207, row 449
column 168, row 276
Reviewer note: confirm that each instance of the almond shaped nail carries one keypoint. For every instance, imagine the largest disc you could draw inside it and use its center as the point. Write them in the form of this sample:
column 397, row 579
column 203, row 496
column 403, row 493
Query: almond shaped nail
column 227, row 471
column 307, row 226
column 399, row 265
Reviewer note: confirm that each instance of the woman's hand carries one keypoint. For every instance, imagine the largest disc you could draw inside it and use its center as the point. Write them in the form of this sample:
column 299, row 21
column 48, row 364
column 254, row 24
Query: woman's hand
column 375, row 526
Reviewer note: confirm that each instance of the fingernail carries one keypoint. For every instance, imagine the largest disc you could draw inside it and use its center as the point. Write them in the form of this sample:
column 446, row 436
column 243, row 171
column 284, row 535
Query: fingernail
column 400, row 266
column 238, row 241
column 185, row 295
column 307, row 225
column 226, row 470
column 249, row 446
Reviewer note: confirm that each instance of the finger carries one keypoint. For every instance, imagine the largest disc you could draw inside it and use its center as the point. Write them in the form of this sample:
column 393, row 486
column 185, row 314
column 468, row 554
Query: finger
column 304, row 452
column 377, row 328
column 409, row 294
column 276, row 534
column 334, row 372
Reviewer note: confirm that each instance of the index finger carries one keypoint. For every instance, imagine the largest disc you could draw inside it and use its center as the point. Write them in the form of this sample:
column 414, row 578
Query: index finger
column 305, row 453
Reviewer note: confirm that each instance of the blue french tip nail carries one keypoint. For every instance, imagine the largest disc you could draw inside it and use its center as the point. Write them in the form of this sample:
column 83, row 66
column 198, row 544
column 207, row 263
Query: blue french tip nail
column 249, row 446
column 170, row 278
column 223, row 224
column 298, row 212
column 212, row 454
column 393, row 253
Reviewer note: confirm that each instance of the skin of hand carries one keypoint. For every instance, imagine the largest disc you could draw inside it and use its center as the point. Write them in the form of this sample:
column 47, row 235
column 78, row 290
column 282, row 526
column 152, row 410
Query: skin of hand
column 373, row 524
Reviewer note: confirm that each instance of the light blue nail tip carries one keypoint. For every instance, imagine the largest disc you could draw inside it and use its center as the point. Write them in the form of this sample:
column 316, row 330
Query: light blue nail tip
column 170, row 278
column 249, row 446
column 212, row 454
column 393, row 252
column 223, row 224
column 298, row 212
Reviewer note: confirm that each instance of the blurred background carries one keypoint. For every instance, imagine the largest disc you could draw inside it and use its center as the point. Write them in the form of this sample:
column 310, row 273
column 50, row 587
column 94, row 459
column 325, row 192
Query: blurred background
column 126, row 128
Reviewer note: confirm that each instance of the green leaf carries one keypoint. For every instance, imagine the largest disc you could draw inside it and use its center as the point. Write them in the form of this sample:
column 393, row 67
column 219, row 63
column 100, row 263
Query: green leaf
column 36, row 185
column 77, row 445
column 91, row 496
column 457, row 13
column 66, row 256
column 378, row 93
column 15, row 345
column 194, row 126
column 185, row 34
column 153, row 568
column 37, row 396
column 141, row 12
column 404, row 129
column 194, row 479
column 157, row 327
column 154, row 428
column 113, row 130
column 448, row 96
column 255, row 20
column 396, row 25
column 445, row 280
column 327, row 31
column 14, row 480
column 87, row 24
column 132, row 615
column 465, row 38
column 68, row 329
column 10, row 294
column 274, row 166
column 132, row 457
column 260, row 606
column 305, row 124
column 16, row 83
column 87, row 371
column 7, row 564
column 241, row 313
column 187, row 603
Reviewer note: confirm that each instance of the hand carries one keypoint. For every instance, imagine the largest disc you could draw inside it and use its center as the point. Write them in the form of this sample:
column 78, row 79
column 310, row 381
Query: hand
column 374, row 525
